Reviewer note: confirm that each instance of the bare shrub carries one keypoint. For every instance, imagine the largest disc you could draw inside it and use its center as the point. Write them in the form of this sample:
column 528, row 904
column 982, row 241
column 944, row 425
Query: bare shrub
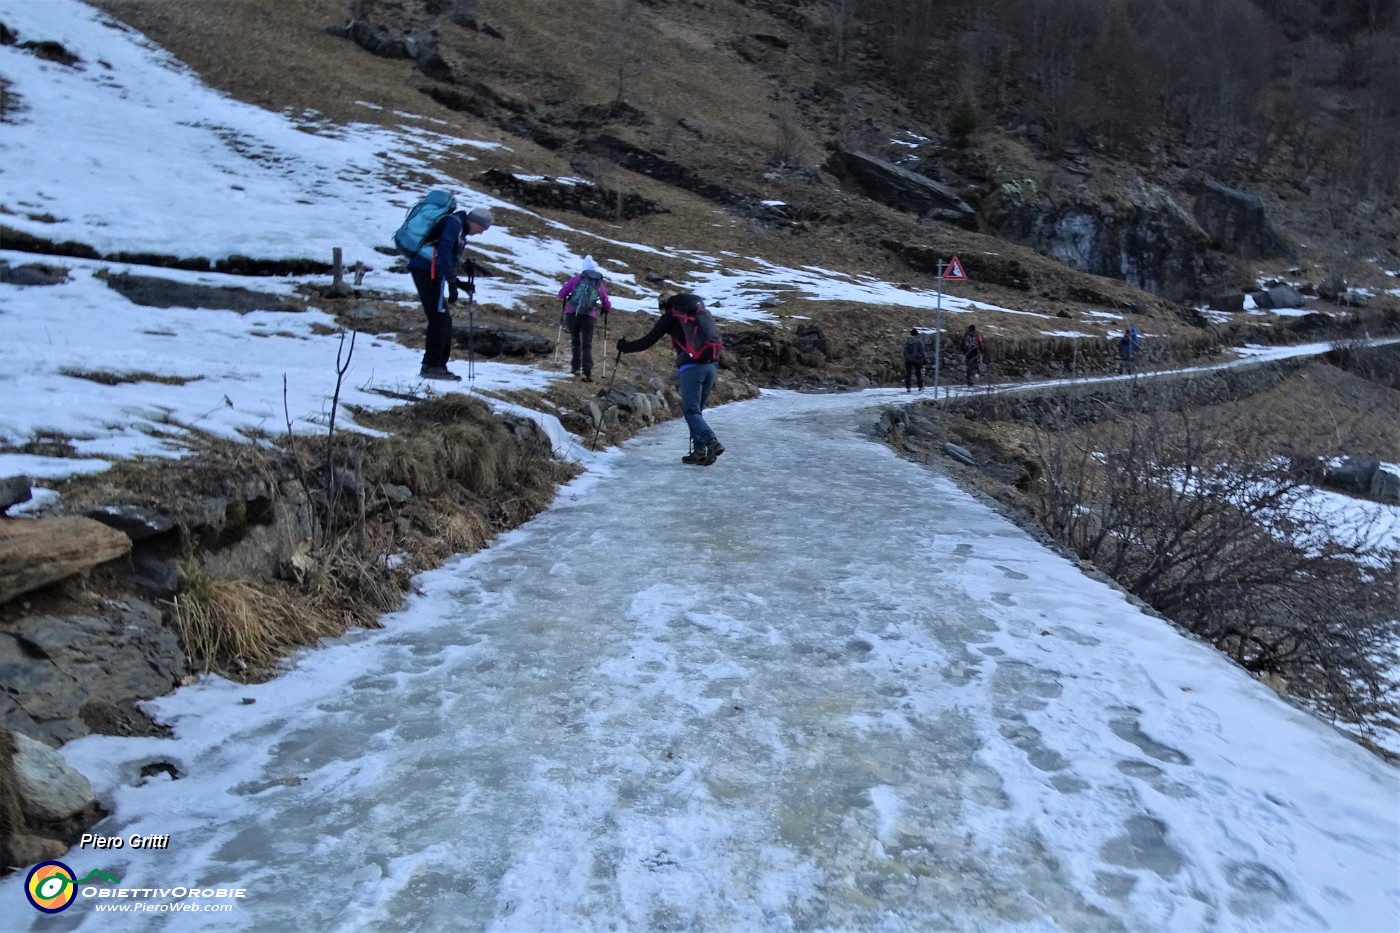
column 787, row 136
column 1205, row 523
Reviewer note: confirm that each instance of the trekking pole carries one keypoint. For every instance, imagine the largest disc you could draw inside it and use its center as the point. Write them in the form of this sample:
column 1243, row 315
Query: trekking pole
column 471, row 337
column 602, row 412
column 559, row 335
column 605, row 342
column 471, row 321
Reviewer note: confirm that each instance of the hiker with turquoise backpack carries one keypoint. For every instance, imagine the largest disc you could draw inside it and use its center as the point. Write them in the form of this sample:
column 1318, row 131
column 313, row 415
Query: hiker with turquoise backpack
column 583, row 295
column 433, row 236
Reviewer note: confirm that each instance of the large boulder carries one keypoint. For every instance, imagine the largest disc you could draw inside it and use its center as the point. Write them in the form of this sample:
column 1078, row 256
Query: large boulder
column 900, row 188
column 44, row 804
column 1285, row 296
column 1363, row 476
column 1385, row 486
column 1238, row 222
column 37, row 552
column 50, row 789
column 13, row 491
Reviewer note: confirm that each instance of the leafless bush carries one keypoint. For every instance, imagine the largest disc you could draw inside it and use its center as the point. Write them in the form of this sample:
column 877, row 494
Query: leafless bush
column 1206, row 524
column 787, row 136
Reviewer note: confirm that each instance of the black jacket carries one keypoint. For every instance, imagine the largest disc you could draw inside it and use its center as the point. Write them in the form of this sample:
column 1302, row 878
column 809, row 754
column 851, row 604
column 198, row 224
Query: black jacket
column 664, row 326
column 915, row 351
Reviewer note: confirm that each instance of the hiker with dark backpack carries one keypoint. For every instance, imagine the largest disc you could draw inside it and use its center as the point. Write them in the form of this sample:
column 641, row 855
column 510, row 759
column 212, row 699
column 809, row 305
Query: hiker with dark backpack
column 1128, row 345
column 915, row 358
column 696, row 338
column 972, row 348
column 433, row 236
column 583, row 295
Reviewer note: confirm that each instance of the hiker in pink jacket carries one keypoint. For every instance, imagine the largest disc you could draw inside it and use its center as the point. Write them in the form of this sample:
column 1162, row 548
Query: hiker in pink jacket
column 583, row 294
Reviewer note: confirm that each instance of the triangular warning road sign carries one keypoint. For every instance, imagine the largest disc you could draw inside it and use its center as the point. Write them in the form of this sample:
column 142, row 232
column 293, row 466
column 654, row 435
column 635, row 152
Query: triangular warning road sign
column 954, row 270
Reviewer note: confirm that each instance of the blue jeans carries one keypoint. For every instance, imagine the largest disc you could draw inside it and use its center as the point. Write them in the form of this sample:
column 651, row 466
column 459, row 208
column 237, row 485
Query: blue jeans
column 696, row 381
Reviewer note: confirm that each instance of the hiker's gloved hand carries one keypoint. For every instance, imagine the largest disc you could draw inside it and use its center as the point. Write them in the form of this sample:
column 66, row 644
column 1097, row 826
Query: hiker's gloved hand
column 468, row 286
column 452, row 291
column 622, row 345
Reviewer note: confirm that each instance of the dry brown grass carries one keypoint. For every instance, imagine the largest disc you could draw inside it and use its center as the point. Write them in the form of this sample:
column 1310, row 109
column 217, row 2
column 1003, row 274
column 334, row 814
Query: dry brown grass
column 113, row 379
column 455, row 441
column 246, row 624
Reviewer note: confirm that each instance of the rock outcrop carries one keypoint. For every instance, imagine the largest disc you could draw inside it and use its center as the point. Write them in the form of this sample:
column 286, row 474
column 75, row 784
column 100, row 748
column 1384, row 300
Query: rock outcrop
column 57, row 672
column 584, row 198
column 1141, row 236
column 1238, row 222
column 900, row 188
column 37, row 552
column 487, row 338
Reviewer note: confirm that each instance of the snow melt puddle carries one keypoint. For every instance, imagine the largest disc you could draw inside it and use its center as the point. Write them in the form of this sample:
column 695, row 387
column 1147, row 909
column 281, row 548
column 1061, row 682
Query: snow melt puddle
column 811, row 687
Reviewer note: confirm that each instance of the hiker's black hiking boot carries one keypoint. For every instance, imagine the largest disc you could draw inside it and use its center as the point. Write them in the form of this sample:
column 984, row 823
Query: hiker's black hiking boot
column 440, row 373
column 695, row 456
column 710, row 453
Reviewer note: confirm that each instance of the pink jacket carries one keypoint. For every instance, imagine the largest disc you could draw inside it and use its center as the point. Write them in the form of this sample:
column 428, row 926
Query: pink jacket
column 603, row 299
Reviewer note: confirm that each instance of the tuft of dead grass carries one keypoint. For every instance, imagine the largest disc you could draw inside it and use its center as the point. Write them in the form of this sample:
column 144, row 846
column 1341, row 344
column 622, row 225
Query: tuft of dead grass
column 246, row 624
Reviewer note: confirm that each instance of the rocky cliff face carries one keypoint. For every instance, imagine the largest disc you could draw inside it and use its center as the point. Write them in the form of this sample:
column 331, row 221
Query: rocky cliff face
column 1140, row 235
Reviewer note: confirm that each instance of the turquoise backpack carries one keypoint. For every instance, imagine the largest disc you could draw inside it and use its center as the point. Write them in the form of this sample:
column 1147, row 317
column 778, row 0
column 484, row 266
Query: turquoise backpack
column 586, row 292
column 415, row 233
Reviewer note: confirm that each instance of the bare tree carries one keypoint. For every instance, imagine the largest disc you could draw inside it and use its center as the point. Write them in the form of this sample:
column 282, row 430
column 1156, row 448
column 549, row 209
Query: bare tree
column 843, row 14
column 624, row 45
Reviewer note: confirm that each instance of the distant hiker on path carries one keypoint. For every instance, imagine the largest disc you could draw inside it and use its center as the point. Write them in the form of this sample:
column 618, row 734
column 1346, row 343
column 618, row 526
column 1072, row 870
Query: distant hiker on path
column 915, row 358
column 1128, row 345
column 583, row 294
column 435, row 276
column 972, row 348
column 696, row 338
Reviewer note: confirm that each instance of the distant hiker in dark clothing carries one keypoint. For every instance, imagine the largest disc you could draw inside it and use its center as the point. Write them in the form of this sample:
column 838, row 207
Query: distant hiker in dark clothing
column 435, row 277
column 915, row 358
column 1128, row 345
column 972, row 348
column 583, row 295
column 696, row 338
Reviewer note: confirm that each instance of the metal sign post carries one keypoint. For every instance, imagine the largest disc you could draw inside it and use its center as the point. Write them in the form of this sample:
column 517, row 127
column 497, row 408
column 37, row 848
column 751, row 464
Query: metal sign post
column 954, row 271
column 938, row 333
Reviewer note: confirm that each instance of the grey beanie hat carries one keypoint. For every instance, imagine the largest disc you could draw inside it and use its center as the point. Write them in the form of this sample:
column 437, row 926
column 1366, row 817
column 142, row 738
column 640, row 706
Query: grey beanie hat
column 481, row 217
